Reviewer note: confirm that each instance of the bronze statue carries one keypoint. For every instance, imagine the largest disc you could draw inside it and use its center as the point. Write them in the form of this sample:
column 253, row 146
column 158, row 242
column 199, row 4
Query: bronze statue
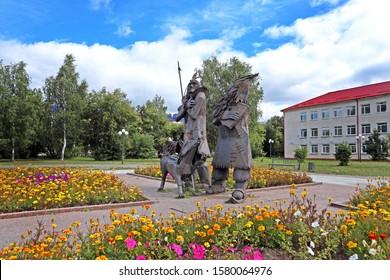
column 233, row 147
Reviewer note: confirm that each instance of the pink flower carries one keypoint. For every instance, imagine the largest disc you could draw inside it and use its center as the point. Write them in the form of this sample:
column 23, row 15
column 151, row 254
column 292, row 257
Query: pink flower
column 198, row 250
column 177, row 249
column 247, row 249
column 142, row 257
column 257, row 255
column 131, row 243
column 231, row 249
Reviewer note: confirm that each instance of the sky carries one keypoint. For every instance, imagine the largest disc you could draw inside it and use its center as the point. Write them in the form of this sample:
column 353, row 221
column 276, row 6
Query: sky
column 300, row 48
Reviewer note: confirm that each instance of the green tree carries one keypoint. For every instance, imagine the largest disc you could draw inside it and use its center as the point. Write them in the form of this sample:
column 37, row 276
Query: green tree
column 376, row 146
column 274, row 129
column 65, row 102
column 343, row 154
column 217, row 77
column 300, row 154
column 19, row 106
column 108, row 113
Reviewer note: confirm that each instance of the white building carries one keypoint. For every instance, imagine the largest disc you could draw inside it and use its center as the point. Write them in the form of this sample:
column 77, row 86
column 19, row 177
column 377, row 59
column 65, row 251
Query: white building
column 350, row 115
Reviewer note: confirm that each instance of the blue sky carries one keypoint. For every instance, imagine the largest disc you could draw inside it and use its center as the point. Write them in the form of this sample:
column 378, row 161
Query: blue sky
column 301, row 48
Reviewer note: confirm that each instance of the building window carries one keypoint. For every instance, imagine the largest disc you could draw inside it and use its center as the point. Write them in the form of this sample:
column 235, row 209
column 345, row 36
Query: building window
column 304, row 147
column 381, row 106
column 325, row 114
column 303, row 133
column 337, row 113
column 314, row 149
column 365, row 109
column 336, row 146
column 353, row 148
column 351, row 130
column 366, row 128
column 338, row 131
column 325, row 132
column 382, row 127
column 314, row 132
column 351, row 110
column 326, row 149
column 303, row 117
column 314, row 116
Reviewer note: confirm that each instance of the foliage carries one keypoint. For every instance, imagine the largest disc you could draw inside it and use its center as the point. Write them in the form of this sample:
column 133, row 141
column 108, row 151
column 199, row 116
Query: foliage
column 343, row 154
column 217, row 77
column 300, row 155
column 25, row 189
column 19, row 109
column 376, row 146
column 141, row 146
column 274, row 129
column 64, row 106
column 213, row 232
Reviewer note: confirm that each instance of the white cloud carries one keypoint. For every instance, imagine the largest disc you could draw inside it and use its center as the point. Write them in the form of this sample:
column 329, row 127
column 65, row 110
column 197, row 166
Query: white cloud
column 124, row 29
column 99, row 4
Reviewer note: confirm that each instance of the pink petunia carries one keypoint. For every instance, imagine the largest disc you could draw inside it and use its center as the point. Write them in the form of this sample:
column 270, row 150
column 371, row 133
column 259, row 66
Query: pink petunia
column 257, row 255
column 247, row 249
column 142, row 257
column 177, row 249
column 131, row 243
column 198, row 250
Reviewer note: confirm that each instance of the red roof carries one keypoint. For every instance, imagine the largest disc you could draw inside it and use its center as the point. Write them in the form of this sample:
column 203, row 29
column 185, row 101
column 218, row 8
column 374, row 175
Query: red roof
column 345, row 95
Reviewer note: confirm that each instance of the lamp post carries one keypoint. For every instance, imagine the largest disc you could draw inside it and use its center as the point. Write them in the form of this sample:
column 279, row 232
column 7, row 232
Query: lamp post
column 123, row 133
column 270, row 141
column 359, row 139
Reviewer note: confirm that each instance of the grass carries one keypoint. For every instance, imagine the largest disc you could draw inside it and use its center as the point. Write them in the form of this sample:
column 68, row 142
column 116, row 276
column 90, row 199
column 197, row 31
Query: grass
column 355, row 168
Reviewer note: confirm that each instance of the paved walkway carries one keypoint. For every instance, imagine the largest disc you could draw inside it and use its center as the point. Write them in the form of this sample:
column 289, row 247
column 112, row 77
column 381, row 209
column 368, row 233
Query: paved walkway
column 165, row 203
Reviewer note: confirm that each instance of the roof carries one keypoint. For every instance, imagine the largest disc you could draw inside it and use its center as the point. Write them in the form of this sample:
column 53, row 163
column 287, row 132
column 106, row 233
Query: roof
column 345, row 95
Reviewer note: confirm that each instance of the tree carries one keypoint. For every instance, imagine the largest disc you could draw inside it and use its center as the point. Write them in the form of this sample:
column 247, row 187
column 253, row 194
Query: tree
column 65, row 102
column 107, row 113
column 343, row 154
column 217, row 77
column 300, row 154
column 19, row 107
column 274, row 129
column 376, row 146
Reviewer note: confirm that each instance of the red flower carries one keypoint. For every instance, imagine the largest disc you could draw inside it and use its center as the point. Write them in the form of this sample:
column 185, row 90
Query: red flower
column 372, row 236
column 383, row 236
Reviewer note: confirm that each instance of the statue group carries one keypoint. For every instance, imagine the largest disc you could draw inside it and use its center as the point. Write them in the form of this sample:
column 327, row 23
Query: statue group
column 187, row 156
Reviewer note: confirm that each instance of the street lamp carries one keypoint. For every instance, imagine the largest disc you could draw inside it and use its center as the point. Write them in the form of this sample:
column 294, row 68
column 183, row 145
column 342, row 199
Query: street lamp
column 270, row 141
column 123, row 133
column 359, row 139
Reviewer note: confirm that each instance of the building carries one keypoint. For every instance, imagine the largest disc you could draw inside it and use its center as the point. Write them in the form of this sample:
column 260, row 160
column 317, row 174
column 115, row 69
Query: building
column 320, row 124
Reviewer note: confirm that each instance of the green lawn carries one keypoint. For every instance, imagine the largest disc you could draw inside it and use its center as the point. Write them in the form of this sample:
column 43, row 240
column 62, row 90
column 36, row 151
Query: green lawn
column 355, row 168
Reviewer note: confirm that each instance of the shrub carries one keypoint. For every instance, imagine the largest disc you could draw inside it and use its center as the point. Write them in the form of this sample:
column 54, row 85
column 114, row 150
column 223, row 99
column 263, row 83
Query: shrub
column 343, row 154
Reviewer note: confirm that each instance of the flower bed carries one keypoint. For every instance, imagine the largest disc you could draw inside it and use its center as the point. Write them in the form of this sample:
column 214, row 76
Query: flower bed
column 296, row 228
column 261, row 177
column 25, row 189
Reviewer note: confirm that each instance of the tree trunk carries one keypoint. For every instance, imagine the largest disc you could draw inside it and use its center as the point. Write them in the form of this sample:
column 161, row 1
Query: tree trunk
column 64, row 146
column 13, row 150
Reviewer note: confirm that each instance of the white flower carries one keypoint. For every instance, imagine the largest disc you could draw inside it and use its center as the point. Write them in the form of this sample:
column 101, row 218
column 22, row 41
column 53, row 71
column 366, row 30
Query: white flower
column 315, row 224
column 298, row 214
column 312, row 244
column 324, row 233
column 372, row 251
column 365, row 243
column 354, row 257
column 310, row 251
column 277, row 221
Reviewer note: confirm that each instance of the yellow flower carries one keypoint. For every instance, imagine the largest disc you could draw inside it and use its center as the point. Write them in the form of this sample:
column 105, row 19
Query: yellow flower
column 54, row 225
column 261, row 228
column 289, row 232
column 102, row 257
column 249, row 224
column 292, row 192
column 351, row 244
column 206, row 244
column 216, row 227
column 350, row 222
column 179, row 238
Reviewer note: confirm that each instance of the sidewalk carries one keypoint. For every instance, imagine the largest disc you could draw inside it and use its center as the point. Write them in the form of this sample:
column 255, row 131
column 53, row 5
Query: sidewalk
column 164, row 203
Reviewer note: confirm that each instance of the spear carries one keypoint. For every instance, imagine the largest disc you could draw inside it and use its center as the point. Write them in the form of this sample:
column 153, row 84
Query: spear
column 181, row 86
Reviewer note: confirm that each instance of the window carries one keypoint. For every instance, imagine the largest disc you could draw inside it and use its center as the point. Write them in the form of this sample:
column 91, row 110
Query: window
column 366, row 128
column 314, row 132
column 382, row 127
column 314, row 149
column 325, row 132
column 314, row 116
column 351, row 130
column 325, row 114
column 336, row 146
column 303, row 117
column 304, row 147
column 303, row 133
column 365, row 109
column 381, row 106
column 337, row 113
column 326, row 149
column 338, row 131
column 351, row 110
column 353, row 148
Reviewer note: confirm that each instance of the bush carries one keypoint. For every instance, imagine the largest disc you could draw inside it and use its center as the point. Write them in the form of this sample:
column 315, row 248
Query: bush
column 343, row 154
column 300, row 154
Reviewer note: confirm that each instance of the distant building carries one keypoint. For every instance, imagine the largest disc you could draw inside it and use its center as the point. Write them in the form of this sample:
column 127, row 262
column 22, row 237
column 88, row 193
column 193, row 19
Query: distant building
column 320, row 124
